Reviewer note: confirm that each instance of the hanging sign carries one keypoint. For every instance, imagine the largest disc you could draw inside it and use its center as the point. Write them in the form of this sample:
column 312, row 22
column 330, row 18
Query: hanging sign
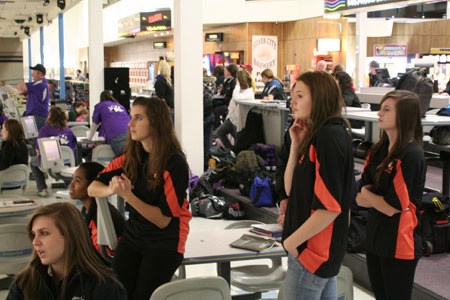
column 264, row 56
column 389, row 50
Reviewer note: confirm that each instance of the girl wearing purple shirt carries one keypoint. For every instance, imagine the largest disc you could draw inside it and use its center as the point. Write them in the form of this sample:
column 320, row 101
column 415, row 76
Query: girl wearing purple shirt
column 56, row 125
column 113, row 118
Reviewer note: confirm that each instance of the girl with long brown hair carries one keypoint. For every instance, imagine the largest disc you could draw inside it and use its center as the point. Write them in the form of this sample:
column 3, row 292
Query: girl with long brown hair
column 13, row 150
column 63, row 264
column 152, row 177
column 320, row 182
column 391, row 187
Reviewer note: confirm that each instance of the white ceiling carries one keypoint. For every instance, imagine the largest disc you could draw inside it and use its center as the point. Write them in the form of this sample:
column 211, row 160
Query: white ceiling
column 11, row 10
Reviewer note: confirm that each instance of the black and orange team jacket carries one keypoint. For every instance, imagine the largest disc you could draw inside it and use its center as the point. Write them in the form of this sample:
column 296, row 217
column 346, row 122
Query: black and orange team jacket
column 90, row 218
column 323, row 179
column 169, row 195
column 401, row 186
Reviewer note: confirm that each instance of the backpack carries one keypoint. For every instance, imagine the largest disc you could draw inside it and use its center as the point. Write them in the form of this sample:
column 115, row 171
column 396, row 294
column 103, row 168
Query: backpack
column 261, row 192
column 441, row 134
column 417, row 82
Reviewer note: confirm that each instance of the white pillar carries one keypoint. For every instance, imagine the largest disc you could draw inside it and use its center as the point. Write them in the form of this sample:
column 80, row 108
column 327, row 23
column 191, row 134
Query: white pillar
column 96, row 55
column 188, row 44
column 361, row 49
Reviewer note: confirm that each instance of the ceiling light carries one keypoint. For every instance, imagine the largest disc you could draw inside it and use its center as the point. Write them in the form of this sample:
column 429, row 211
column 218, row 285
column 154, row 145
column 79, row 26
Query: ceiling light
column 61, row 4
column 45, row 2
column 39, row 18
column 19, row 21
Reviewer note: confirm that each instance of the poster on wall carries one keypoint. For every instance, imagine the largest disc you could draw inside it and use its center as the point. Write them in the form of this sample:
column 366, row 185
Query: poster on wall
column 389, row 50
column 264, row 56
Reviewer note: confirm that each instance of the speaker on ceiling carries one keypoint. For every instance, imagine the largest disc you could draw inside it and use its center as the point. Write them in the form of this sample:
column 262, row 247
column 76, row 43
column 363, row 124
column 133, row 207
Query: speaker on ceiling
column 39, row 18
column 61, row 4
column 117, row 80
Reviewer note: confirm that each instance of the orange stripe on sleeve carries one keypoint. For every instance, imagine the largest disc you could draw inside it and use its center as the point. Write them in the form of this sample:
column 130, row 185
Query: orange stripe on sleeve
column 115, row 164
column 171, row 196
column 320, row 189
column 408, row 219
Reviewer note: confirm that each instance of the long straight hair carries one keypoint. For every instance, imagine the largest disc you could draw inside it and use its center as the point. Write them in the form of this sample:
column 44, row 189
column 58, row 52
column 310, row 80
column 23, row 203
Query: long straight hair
column 79, row 253
column 16, row 134
column 409, row 127
column 326, row 103
column 165, row 143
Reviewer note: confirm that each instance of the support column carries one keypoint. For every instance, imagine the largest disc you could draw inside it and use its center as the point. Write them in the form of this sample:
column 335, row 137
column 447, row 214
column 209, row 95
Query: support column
column 41, row 44
column 188, row 44
column 96, row 56
column 29, row 61
column 62, row 80
column 361, row 48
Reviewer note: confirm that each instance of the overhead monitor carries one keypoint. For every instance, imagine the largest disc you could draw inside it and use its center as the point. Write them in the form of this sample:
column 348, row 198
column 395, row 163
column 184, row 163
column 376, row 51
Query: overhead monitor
column 51, row 157
column 29, row 127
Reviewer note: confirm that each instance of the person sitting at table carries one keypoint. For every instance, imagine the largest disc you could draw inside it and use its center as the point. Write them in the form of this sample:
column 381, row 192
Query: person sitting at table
column 113, row 118
column 82, row 178
column 76, row 110
column 348, row 94
column 242, row 91
column 56, row 125
column 13, row 150
column 83, row 116
column 391, row 187
column 273, row 88
column 152, row 177
column 64, row 264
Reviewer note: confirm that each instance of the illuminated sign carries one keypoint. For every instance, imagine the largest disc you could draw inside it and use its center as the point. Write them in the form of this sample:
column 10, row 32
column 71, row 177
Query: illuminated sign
column 159, row 45
column 332, row 6
column 329, row 45
column 389, row 50
column 214, row 37
column 145, row 22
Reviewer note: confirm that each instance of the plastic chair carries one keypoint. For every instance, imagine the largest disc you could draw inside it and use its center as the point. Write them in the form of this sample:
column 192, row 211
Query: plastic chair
column 80, row 130
column 16, row 176
column 344, row 282
column 106, row 235
column 201, row 288
column 103, row 154
column 15, row 250
column 68, row 156
column 257, row 278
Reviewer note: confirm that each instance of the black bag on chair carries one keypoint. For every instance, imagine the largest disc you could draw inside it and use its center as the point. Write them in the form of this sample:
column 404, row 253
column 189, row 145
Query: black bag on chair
column 357, row 232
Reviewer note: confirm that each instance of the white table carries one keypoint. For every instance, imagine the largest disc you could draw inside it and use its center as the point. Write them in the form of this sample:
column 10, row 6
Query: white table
column 16, row 211
column 212, row 246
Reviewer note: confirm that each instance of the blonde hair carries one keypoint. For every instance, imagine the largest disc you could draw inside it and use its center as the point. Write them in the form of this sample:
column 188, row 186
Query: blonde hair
column 164, row 70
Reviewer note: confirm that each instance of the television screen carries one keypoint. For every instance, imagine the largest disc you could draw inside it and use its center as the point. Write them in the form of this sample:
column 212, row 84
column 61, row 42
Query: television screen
column 51, row 148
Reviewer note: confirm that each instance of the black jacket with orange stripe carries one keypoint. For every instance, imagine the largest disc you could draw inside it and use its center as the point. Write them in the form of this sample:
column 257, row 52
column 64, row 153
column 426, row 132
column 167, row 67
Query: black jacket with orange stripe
column 169, row 195
column 401, row 186
column 323, row 179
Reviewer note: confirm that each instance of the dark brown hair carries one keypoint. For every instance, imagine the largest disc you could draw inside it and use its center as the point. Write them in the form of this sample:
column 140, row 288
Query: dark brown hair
column 326, row 103
column 107, row 96
column 57, row 118
column 409, row 127
column 79, row 254
column 165, row 143
column 16, row 134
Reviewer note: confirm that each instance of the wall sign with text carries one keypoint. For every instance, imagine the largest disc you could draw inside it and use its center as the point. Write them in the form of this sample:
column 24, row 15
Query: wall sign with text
column 332, row 6
column 389, row 50
column 264, row 56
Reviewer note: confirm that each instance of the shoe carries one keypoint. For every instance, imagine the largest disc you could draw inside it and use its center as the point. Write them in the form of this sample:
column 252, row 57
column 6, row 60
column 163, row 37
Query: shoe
column 43, row 193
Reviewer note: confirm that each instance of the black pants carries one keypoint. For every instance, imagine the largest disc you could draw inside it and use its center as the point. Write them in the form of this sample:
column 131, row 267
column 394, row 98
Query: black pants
column 391, row 279
column 141, row 273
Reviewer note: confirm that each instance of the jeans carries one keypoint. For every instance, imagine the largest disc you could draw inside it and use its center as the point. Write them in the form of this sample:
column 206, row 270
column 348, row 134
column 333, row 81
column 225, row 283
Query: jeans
column 38, row 175
column 40, row 121
column 118, row 142
column 300, row 284
column 224, row 129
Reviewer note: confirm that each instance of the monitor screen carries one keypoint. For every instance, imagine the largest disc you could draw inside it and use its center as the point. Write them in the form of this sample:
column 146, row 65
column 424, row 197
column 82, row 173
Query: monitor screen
column 51, row 148
column 29, row 126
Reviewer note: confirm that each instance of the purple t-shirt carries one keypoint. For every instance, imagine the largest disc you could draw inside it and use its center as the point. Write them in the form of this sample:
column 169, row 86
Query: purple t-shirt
column 113, row 117
column 38, row 98
column 66, row 136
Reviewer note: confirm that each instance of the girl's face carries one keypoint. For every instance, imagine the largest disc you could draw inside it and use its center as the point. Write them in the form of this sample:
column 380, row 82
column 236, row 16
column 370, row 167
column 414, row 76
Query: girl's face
column 48, row 242
column 387, row 115
column 78, row 186
column 4, row 132
column 139, row 124
column 301, row 102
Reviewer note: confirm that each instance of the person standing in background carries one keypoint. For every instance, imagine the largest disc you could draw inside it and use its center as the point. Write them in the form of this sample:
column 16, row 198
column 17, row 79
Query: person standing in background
column 321, row 66
column 392, row 185
column 38, row 95
column 163, row 85
column 373, row 78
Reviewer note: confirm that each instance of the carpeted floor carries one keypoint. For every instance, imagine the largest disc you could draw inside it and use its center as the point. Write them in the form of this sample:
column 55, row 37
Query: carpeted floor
column 433, row 273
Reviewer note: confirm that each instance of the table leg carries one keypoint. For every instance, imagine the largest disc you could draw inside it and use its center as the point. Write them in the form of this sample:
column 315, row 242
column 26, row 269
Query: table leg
column 223, row 270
